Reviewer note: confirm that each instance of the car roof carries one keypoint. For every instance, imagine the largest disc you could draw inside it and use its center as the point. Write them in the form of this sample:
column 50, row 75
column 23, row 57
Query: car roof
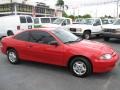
column 41, row 29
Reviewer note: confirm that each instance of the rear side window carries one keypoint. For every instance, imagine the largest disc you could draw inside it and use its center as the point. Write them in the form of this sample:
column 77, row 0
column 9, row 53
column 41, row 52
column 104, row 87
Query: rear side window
column 29, row 19
column 36, row 20
column 24, row 36
column 53, row 19
column 22, row 19
column 45, row 20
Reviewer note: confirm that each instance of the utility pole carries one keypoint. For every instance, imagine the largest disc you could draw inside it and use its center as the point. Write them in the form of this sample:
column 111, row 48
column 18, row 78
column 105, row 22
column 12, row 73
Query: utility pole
column 118, row 8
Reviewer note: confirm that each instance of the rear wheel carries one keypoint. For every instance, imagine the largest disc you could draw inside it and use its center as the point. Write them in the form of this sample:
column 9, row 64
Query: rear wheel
column 9, row 33
column 80, row 67
column 12, row 56
column 106, row 38
column 86, row 35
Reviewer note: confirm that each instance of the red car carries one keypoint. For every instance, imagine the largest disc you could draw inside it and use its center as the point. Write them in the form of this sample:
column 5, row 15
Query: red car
column 60, row 47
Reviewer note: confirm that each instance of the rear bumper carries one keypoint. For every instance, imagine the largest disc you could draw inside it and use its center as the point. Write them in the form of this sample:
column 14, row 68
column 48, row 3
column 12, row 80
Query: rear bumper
column 105, row 66
column 111, row 35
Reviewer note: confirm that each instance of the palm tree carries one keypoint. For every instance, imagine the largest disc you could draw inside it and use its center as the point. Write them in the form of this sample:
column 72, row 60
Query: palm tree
column 60, row 3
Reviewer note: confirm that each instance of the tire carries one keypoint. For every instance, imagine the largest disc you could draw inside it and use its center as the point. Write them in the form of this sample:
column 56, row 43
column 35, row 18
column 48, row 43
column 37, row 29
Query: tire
column 106, row 38
column 98, row 35
column 84, row 70
column 12, row 56
column 87, row 35
column 9, row 33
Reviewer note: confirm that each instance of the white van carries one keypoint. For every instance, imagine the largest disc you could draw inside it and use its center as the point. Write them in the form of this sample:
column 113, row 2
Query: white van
column 39, row 21
column 9, row 25
column 62, row 21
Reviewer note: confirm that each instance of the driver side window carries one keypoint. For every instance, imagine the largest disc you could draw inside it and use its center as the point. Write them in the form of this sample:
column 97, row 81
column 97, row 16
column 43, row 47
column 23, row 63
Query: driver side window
column 64, row 23
column 97, row 22
column 41, row 37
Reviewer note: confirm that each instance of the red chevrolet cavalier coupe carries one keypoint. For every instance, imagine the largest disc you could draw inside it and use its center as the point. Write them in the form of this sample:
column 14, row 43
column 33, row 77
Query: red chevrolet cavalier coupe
column 60, row 47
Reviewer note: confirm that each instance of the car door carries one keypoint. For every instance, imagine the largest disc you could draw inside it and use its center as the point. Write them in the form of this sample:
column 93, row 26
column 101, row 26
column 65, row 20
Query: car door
column 21, row 45
column 41, row 51
column 97, row 27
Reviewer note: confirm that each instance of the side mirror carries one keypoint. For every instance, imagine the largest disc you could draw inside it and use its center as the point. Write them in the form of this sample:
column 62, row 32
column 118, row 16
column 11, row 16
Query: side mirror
column 55, row 43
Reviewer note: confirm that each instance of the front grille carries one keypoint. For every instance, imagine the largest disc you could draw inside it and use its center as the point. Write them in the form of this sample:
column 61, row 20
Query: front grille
column 109, row 30
column 73, row 29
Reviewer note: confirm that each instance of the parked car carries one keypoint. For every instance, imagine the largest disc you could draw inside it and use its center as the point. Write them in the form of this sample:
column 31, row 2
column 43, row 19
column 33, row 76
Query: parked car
column 107, row 21
column 90, row 26
column 60, row 47
column 39, row 21
column 112, row 31
column 11, row 24
column 62, row 21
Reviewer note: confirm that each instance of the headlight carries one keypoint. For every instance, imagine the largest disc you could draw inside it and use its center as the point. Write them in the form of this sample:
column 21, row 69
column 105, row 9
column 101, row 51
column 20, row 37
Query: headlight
column 79, row 29
column 106, row 57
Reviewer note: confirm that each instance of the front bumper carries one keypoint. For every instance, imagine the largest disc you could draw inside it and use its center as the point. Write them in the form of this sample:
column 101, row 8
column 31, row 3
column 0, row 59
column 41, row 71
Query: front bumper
column 105, row 65
column 111, row 35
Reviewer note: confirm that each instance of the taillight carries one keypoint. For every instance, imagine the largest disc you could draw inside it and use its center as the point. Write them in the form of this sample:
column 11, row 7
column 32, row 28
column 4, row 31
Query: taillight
column 18, row 27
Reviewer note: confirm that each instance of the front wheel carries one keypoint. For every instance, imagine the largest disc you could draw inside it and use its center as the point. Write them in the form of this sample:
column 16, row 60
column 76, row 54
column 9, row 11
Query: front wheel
column 86, row 35
column 12, row 56
column 80, row 67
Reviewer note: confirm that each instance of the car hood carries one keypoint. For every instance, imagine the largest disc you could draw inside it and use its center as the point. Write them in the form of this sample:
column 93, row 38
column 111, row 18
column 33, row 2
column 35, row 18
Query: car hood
column 50, row 25
column 111, row 26
column 92, row 47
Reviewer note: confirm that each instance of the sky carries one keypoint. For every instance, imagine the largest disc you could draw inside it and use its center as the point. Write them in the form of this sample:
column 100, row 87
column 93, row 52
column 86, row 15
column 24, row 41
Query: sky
column 81, row 7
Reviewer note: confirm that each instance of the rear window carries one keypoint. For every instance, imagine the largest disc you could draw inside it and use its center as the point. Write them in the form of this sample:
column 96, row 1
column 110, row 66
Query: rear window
column 22, row 19
column 36, row 20
column 45, row 20
column 29, row 19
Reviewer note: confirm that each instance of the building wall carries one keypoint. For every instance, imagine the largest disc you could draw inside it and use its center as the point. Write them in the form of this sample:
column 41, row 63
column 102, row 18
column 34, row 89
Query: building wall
column 8, row 1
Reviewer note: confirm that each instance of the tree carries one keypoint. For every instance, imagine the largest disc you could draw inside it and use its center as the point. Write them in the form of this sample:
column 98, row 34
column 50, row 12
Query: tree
column 86, row 16
column 60, row 3
column 72, row 17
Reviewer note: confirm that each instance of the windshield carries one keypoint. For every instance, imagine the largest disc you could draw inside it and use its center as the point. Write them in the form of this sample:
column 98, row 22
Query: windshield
column 117, row 22
column 66, row 36
column 89, row 21
column 79, row 21
column 58, row 21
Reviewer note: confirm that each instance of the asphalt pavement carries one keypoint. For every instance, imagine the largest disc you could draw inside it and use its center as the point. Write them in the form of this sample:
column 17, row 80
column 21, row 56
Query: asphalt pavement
column 36, row 76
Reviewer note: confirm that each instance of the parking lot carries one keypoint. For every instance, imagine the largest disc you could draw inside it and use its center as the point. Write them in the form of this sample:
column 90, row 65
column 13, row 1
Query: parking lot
column 36, row 76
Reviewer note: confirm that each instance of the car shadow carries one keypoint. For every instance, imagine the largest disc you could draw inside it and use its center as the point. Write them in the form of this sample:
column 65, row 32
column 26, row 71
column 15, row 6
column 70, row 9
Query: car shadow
column 117, row 41
column 61, row 70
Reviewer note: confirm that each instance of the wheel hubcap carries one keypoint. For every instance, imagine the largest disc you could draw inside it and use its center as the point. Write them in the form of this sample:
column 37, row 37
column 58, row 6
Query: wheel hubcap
column 79, row 68
column 12, row 56
column 87, row 36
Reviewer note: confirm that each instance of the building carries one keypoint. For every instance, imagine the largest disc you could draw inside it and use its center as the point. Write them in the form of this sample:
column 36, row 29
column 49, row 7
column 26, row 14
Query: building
column 40, row 10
